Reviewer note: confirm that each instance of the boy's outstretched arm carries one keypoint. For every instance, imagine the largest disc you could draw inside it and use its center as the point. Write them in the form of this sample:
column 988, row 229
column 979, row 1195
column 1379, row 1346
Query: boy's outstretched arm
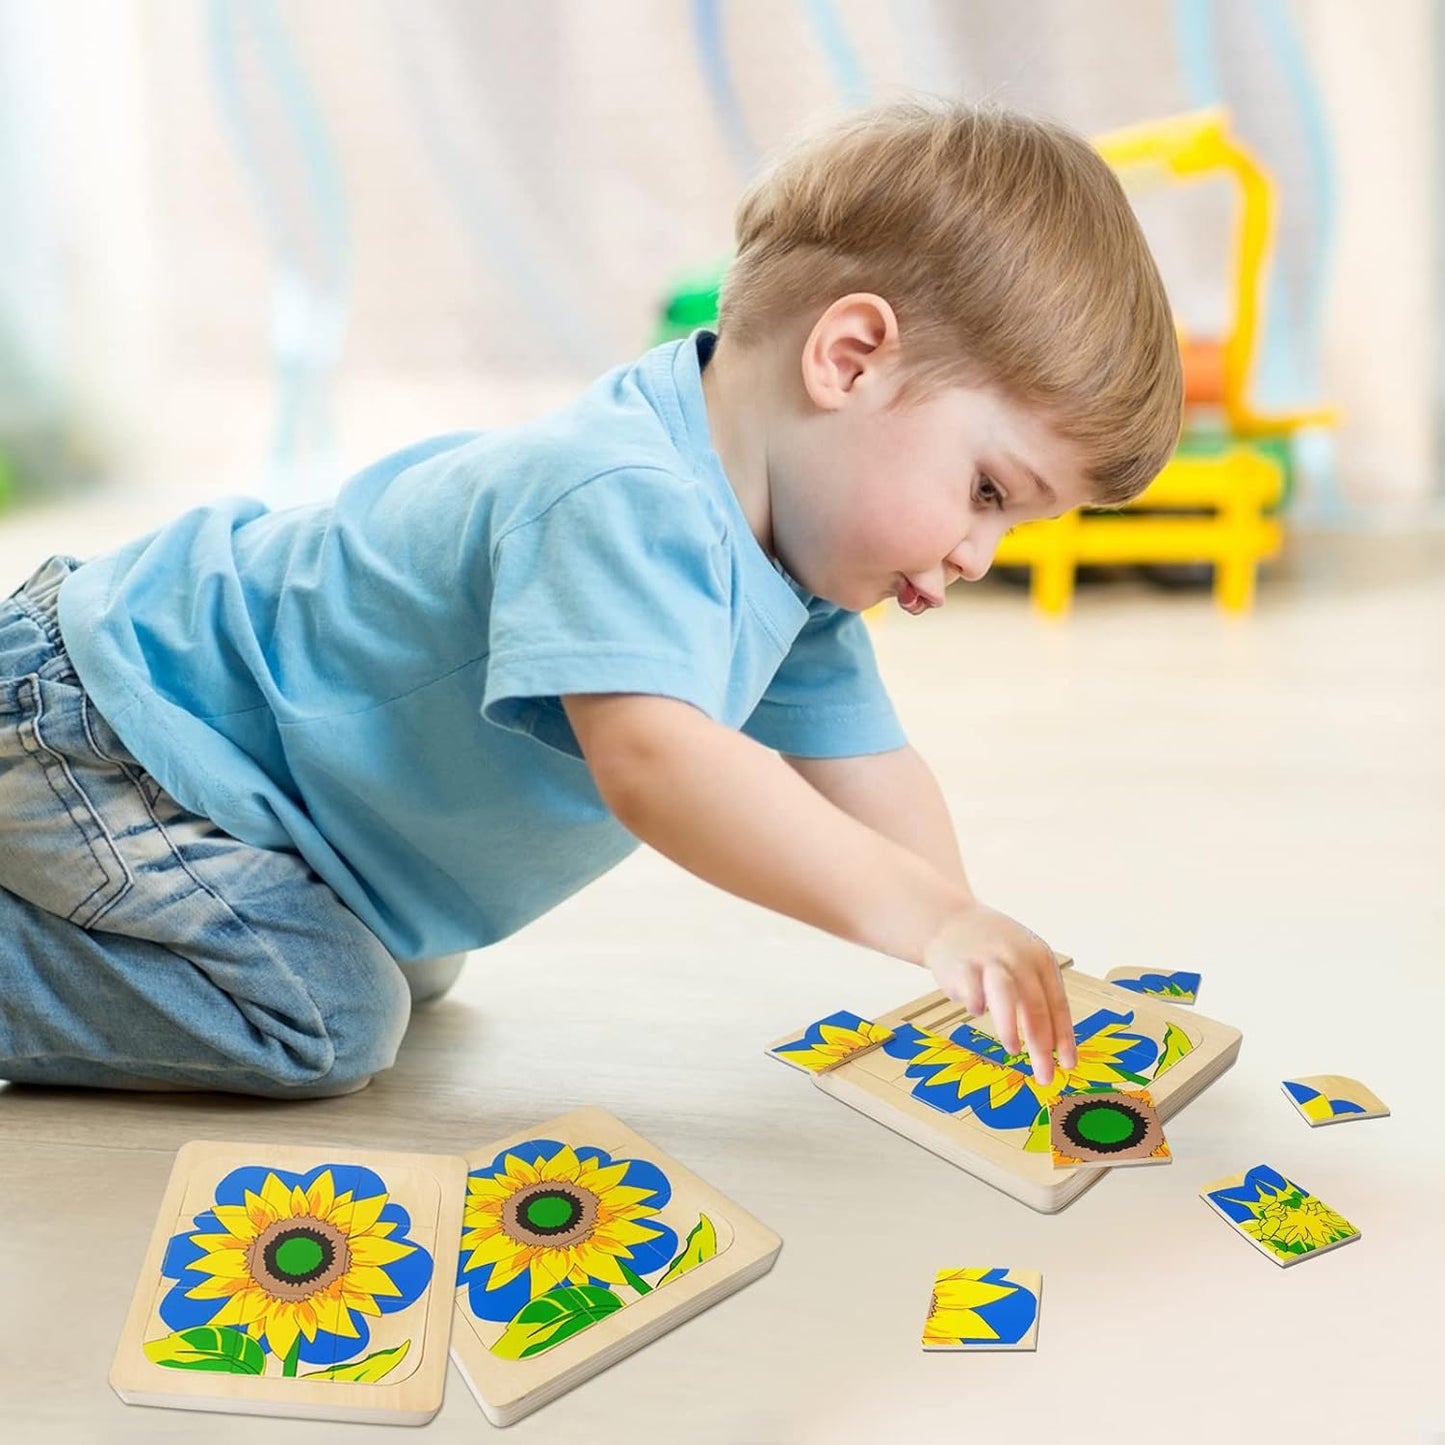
column 734, row 813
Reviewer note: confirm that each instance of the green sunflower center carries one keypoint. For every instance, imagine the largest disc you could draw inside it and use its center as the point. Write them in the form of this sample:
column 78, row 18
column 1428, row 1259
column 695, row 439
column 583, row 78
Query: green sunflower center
column 298, row 1256
column 1105, row 1124
column 552, row 1211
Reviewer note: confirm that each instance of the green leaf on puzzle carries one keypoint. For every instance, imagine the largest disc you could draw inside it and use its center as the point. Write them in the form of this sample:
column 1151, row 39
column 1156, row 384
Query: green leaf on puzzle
column 1038, row 1140
column 701, row 1244
column 554, row 1317
column 221, row 1349
column 372, row 1368
column 1176, row 1045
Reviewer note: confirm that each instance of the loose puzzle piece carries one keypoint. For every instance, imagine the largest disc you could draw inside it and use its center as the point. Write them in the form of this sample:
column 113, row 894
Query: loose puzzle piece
column 581, row 1242
column 284, row 1280
column 1280, row 1218
column 829, row 1042
column 983, row 1309
column 1333, row 1099
column 1176, row 987
column 1103, row 1130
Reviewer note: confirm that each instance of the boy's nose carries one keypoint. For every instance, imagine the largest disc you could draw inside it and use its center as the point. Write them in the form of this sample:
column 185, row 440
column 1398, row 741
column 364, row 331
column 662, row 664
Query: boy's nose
column 972, row 558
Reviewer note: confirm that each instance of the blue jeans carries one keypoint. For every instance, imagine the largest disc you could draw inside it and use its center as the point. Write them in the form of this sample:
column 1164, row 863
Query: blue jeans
column 141, row 946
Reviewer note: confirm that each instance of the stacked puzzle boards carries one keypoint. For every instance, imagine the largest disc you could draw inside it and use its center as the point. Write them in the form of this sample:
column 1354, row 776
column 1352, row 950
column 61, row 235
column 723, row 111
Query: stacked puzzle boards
column 944, row 1081
column 328, row 1282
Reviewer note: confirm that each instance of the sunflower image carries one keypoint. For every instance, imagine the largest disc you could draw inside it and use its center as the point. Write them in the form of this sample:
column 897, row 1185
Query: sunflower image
column 295, row 1263
column 543, row 1215
column 969, row 1071
column 831, row 1040
column 1284, row 1218
column 1292, row 1222
column 978, row 1307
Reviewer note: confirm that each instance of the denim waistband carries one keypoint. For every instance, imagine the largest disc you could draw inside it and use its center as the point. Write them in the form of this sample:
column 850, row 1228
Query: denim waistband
column 39, row 595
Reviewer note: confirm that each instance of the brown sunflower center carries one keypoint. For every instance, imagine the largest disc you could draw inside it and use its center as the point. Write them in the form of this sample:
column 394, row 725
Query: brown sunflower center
column 294, row 1258
column 554, row 1215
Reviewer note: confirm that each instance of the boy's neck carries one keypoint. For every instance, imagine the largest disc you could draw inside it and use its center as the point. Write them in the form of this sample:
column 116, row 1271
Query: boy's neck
column 736, row 387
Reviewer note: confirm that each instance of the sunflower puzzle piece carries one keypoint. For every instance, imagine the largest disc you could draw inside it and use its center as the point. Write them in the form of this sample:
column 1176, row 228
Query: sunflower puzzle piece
column 1333, row 1099
column 1176, row 987
column 829, row 1042
column 580, row 1243
column 297, row 1281
column 1105, row 1130
column 984, row 1309
column 1280, row 1218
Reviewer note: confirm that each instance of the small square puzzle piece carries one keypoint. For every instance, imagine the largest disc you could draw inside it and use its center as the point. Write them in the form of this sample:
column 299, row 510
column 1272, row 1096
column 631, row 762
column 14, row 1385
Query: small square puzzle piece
column 1278, row 1217
column 829, row 1042
column 1106, row 1129
column 984, row 1309
column 1333, row 1099
column 286, row 1280
column 1176, row 987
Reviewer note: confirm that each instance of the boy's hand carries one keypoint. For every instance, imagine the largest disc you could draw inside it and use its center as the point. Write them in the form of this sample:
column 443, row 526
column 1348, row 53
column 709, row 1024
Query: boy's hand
column 987, row 961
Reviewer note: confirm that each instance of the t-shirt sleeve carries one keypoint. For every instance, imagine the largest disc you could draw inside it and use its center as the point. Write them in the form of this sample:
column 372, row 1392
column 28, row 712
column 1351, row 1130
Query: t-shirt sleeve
column 827, row 699
column 621, row 585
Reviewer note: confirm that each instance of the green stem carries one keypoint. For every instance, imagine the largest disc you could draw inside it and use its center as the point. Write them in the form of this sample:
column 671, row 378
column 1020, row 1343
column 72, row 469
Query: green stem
column 288, row 1365
column 640, row 1285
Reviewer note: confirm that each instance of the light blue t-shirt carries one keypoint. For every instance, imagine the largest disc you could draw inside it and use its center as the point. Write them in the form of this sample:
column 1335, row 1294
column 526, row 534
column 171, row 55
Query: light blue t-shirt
column 375, row 682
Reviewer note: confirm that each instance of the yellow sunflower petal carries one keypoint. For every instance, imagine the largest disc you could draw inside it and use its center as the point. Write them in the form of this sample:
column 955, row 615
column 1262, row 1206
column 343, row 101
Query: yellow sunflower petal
column 260, row 1212
column 375, row 1282
column 333, row 1316
column 306, row 1318
column 563, row 1166
column 620, row 1196
column 550, row 1267
column 622, row 1232
column 492, row 1247
column 321, row 1196
column 505, row 1270
column 601, row 1264
column 519, row 1169
column 237, row 1219
column 365, row 1213
column 244, row 1307
column 228, row 1263
column 600, row 1180
column 299, row 1203
column 277, row 1197
column 282, row 1327
column 490, row 1190
column 368, row 1249
column 361, row 1302
column 217, row 1288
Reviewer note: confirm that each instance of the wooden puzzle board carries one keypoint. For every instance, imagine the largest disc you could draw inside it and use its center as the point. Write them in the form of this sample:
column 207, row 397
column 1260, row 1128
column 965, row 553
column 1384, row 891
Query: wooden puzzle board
column 408, row 1343
column 878, row 1083
column 509, row 1388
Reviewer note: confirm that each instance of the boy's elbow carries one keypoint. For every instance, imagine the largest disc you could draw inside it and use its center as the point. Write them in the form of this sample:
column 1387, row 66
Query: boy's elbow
column 626, row 742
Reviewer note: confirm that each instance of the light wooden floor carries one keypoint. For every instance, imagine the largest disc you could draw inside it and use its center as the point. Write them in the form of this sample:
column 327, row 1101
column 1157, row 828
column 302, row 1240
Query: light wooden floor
column 1147, row 783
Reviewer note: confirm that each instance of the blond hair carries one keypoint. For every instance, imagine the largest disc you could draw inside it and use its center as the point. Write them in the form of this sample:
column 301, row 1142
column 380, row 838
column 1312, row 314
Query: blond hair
column 1009, row 253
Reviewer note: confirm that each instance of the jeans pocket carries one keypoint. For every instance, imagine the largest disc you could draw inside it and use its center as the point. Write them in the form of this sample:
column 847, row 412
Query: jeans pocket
column 56, row 849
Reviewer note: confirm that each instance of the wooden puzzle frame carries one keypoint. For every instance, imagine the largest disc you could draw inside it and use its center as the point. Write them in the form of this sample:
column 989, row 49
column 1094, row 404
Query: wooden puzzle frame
column 875, row 1083
column 509, row 1388
column 408, row 1348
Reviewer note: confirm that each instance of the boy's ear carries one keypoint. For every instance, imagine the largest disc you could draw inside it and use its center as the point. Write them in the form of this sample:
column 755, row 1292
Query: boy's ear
column 852, row 347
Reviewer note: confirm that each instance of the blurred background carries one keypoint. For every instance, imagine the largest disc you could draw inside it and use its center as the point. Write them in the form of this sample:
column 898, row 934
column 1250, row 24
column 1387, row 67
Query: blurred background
column 250, row 244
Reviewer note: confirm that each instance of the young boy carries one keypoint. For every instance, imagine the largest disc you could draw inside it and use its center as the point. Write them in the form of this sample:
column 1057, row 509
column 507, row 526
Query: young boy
column 252, row 763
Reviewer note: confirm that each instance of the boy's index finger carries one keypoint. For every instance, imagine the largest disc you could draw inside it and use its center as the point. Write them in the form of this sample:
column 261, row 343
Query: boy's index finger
column 1063, row 1019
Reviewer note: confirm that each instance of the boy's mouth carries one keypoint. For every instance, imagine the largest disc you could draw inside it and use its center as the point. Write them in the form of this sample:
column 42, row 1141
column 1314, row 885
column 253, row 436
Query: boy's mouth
column 914, row 602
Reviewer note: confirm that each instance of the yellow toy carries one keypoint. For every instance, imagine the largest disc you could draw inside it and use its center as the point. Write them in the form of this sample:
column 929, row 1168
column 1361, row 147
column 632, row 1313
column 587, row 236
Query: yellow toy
column 1212, row 502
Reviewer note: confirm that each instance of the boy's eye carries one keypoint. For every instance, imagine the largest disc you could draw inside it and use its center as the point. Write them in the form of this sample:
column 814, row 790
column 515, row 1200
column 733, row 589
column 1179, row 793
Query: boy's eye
column 989, row 492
